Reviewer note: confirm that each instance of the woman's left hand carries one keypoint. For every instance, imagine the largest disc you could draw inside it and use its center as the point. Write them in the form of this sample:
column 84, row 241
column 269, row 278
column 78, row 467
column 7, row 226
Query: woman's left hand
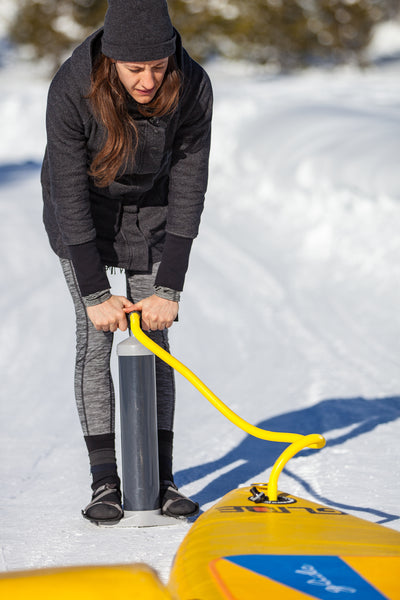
column 157, row 313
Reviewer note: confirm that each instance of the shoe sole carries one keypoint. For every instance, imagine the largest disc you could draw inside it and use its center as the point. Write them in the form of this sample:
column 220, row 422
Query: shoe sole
column 113, row 521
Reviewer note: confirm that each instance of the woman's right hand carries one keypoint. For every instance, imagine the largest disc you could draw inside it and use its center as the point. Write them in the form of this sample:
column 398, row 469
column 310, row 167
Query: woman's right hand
column 109, row 315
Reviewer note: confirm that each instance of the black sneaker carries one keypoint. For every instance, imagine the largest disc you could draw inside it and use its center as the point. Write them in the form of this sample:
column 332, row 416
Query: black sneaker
column 174, row 503
column 105, row 506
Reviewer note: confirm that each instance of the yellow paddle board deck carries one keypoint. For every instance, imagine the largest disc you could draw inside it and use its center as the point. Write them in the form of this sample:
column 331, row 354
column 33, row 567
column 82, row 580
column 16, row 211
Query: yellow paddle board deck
column 295, row 550
column 137, row 581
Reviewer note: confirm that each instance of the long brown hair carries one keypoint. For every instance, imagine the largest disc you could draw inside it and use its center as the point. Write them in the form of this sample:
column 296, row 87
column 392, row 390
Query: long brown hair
column 108, row 99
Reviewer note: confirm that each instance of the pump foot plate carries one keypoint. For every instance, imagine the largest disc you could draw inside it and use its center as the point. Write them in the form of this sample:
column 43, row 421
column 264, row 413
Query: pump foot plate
column 144, row 518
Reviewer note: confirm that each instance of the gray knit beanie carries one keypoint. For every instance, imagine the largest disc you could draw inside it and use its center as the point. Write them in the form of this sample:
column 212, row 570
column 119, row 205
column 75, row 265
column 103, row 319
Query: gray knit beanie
column 138, row 30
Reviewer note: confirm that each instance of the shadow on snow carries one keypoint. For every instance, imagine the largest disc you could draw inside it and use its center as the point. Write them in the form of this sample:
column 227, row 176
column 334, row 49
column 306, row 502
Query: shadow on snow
column 255, row 455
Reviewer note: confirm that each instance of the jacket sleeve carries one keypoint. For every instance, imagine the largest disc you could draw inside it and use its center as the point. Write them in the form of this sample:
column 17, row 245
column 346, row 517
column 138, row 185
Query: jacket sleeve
column 69, row 185
column 174, row 262
column 188, row 181
column 189, row 166
column 67, row 156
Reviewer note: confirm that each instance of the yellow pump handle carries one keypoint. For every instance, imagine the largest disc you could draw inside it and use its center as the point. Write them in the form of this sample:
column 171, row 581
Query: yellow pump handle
column 297, row 442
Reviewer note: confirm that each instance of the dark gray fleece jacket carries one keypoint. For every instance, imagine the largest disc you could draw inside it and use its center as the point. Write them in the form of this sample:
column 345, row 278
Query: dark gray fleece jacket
column 149, row 214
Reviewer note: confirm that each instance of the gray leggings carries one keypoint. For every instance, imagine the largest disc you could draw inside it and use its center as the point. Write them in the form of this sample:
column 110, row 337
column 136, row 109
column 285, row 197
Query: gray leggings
column 94, row 390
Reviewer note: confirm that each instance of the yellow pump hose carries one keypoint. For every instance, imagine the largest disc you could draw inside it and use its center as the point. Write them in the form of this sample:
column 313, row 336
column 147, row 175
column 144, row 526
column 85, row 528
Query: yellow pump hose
column 297, row 442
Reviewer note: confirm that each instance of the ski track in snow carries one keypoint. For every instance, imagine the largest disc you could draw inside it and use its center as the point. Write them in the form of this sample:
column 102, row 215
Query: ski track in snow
column 290, row 315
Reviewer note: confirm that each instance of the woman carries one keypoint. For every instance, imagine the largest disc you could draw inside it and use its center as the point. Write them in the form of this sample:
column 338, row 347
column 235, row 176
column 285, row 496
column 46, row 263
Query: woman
column 124, row 178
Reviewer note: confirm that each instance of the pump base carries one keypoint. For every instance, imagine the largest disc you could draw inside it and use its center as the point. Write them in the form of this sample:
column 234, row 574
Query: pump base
column 143, row 518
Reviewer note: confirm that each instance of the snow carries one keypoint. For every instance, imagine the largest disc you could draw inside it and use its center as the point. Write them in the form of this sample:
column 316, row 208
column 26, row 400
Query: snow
column 290, row 314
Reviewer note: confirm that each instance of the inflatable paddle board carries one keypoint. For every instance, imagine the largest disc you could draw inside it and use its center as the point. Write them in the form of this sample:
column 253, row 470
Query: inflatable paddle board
column 293, row 549
column 137, row 581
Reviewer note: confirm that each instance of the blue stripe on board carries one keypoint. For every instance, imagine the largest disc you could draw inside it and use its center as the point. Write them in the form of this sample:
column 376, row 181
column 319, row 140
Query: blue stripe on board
column 322, row 577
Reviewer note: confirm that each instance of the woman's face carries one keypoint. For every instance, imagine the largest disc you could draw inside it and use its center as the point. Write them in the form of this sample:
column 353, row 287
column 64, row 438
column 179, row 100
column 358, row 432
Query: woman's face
column 142, row 80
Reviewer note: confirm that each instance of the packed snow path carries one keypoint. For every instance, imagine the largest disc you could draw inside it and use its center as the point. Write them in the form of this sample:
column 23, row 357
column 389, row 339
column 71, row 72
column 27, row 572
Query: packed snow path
column 290, row 314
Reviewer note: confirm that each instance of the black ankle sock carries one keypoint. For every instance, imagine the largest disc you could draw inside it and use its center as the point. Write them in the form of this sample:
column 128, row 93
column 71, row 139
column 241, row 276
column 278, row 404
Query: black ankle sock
column 103, row 463
column 165, row 445
column 97, row 442
column 103, row 467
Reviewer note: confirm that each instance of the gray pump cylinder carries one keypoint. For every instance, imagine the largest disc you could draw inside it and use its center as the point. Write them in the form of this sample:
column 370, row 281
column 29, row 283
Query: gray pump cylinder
column 138, row 413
